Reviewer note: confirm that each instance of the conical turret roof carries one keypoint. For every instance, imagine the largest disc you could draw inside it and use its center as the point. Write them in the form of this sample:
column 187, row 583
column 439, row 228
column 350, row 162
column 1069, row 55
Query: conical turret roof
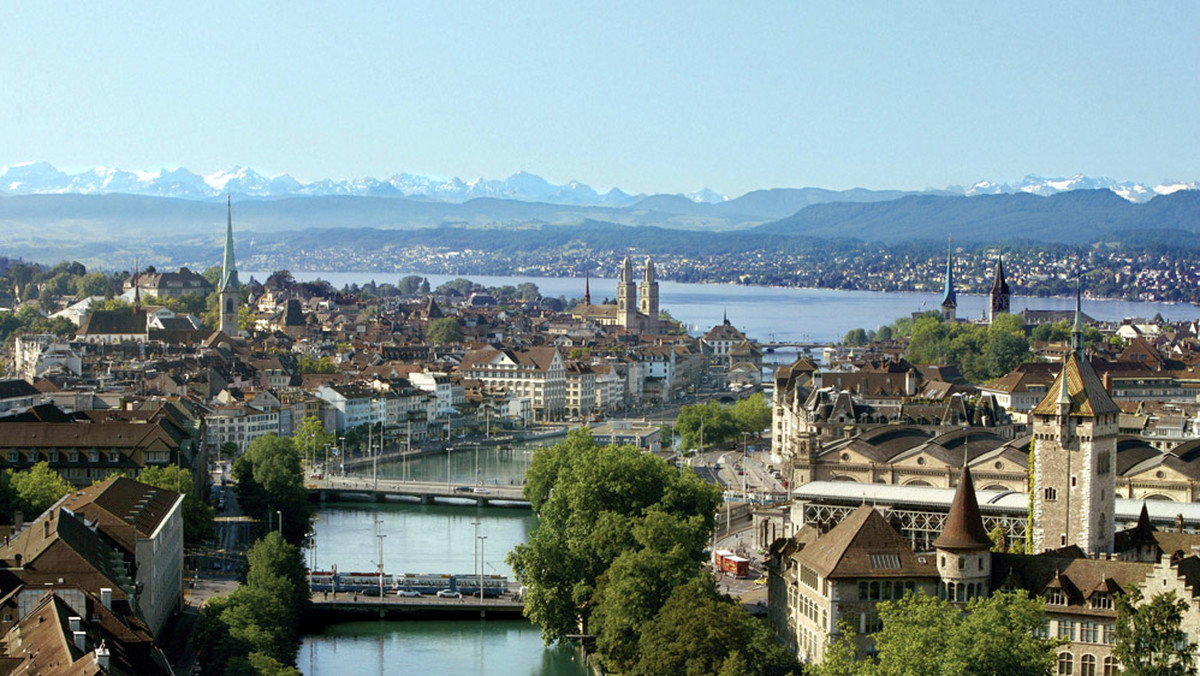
column 964, row 525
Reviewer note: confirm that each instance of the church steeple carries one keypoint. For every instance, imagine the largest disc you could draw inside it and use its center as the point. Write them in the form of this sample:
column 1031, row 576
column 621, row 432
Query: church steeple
column 228, row 289
column 587, row 287
column 228, row 268
column 999, row 294
column 949, row 298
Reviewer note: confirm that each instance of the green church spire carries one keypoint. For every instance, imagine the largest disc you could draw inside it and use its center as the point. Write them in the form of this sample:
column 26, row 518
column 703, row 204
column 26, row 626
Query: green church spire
column 229, row 278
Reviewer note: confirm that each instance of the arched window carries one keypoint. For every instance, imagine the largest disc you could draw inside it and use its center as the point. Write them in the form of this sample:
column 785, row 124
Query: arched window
column 1087, row 665
column 1066, row 664
column 1110, row 666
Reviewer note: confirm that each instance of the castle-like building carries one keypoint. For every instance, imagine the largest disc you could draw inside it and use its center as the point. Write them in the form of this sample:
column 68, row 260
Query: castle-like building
column 835, row 572
column 636, row 310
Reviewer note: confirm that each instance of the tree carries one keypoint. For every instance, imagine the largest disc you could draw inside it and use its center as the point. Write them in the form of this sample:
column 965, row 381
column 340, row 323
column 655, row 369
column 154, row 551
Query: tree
column 92, row 284
column 855, row 338
column 311, row 437
column 35, row 490
column 198, row 523
column 996, row 635
column 1149, row 638
column 463, row 287
column 444, row 330
column 700, row 632
column 269, row 479
column 752, row 414
column 309, row 364
column 528, row 291
column 716, row 421
column 595, row 504
column 409, row 286
column 884, row 334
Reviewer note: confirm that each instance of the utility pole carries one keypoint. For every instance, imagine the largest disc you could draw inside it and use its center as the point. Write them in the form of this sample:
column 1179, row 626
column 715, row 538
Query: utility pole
column 481, row 539
column 476, row 559
column 380, row 536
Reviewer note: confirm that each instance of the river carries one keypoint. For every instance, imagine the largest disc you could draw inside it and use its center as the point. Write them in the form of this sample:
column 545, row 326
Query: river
column 780, row 313
column 431, row 539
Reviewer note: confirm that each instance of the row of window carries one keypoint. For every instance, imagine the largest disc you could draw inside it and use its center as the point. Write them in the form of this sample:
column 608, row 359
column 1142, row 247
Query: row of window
column 17, row 457
column 1087, row 665
column 887, row 590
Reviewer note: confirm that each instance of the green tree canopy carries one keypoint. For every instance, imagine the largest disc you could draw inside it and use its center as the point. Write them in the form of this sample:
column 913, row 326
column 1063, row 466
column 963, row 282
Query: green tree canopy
column 925, row 635
column 598, row 505
column 35, row 490
column 699, row 632
column 1149, row 636
column 444, row 330
column 462, row 286
column 855, row 338
column 712, row 420
column 752, row 414
column 269, row 479
column 409, row 286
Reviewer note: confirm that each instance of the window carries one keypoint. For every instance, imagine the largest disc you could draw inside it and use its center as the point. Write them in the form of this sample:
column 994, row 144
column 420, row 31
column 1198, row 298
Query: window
column 871, row 623
column 1066, row 664
column 1110, row 666
column 1088, row 633
column 1110, row 634
column 1050, row 493
column 1087, row 665
column 14, row 456
column 1066, row 629
column 93, row 456
column 1056, row 597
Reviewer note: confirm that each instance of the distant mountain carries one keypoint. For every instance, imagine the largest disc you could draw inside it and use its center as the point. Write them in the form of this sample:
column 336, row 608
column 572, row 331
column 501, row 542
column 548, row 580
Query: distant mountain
column 1075, row 217
column 1039, row 185
column 40, row 178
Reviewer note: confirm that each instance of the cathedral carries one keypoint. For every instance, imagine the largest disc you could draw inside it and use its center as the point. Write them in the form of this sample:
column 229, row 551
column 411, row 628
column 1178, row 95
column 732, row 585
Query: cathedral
column 636, row 309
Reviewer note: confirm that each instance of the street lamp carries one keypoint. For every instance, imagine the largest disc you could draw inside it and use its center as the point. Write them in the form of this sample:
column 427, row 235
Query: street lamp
column 279, row 516
column 380, row 536
column 476, row 536
column 481, row 539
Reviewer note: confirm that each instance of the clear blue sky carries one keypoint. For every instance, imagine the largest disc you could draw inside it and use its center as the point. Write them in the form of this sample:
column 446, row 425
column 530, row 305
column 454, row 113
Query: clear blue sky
column 651, row 97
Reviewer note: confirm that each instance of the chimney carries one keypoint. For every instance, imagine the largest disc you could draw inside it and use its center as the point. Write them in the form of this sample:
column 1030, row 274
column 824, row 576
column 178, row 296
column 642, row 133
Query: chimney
column 81, row 641
column 74, row 622
column 102, row 656
column 106, row 597
column 18, row 521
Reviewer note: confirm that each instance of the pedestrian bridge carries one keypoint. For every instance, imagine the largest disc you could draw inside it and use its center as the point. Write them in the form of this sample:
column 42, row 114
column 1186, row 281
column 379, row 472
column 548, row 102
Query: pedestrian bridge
column 359, row 489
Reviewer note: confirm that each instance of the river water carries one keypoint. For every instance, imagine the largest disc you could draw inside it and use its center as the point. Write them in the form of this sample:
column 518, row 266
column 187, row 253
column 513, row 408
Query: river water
column 780, row 313
column 431, row 539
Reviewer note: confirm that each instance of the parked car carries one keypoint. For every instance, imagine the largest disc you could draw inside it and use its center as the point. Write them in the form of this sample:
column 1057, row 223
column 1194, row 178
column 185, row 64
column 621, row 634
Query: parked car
column 449, row 594
column 463, row 489
column 410, row 593
column 481, row 490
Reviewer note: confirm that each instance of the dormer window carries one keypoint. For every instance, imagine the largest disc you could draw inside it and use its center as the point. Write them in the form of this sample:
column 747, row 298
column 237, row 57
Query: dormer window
column 1102, row 601
column 1056, row 597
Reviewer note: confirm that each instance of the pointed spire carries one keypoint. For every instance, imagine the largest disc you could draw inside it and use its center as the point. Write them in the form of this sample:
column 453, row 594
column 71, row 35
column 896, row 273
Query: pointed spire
column 949, row 297
column 725, row 316
column 229, row 277
column 137, row 290
column 1077, row 329
column 587, row 287
column 999, row 284
column 964, row 524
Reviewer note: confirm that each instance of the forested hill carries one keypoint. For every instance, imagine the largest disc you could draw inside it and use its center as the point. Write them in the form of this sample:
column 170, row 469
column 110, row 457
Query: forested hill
column 1076, row 217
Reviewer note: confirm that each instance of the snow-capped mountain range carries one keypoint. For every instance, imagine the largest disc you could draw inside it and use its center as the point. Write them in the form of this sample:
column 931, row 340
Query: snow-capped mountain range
column 42, row 178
